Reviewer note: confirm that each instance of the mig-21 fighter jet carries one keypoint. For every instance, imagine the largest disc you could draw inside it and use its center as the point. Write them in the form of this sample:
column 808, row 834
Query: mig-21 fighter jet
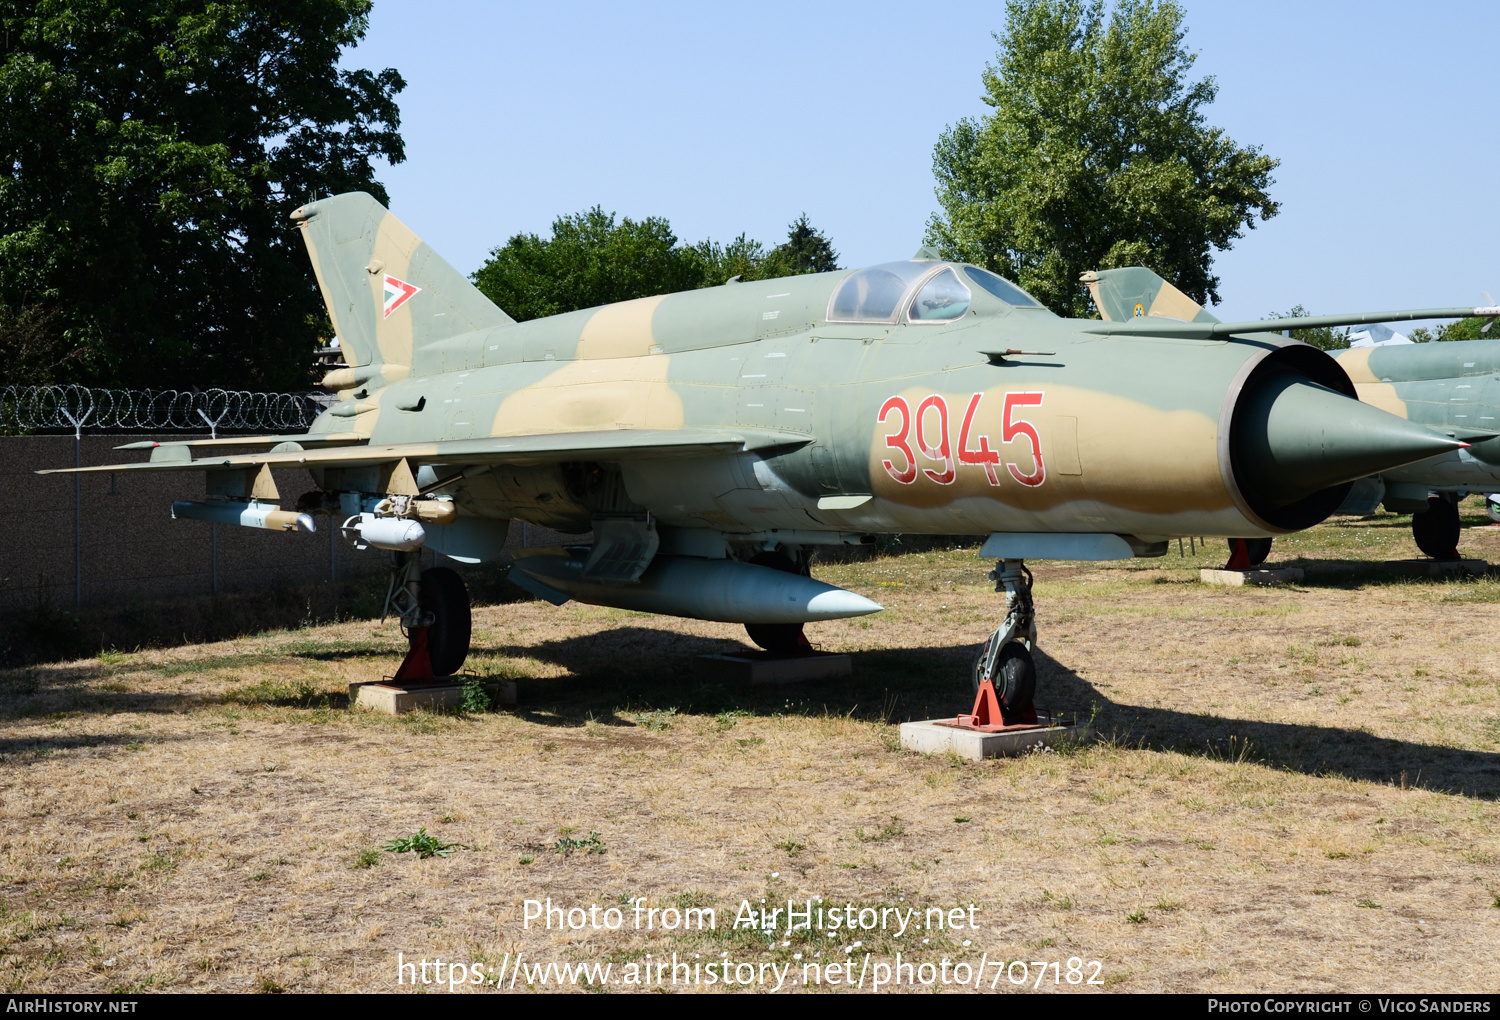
column 712, row 440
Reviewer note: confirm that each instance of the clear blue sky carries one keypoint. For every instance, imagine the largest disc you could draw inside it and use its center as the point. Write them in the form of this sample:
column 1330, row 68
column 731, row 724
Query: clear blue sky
column 729, row 118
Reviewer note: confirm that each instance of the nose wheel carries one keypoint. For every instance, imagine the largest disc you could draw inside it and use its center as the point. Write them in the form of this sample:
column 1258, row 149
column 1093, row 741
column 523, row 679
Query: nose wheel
column 1004, row 669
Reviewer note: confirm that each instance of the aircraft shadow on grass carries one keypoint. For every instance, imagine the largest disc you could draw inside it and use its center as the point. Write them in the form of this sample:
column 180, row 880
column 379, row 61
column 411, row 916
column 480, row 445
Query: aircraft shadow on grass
column 619, row 674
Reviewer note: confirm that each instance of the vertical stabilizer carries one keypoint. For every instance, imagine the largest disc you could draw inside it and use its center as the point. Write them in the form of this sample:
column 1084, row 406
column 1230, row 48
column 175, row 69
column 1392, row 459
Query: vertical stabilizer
column 387, row 292
column 1134, row 293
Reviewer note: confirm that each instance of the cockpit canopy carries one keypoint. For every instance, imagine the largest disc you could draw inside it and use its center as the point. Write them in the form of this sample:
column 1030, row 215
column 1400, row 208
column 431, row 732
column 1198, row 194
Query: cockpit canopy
column 880, row 293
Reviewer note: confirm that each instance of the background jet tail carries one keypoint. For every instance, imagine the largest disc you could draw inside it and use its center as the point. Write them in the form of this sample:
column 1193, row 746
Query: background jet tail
column 387, row 292
column 1136, row 292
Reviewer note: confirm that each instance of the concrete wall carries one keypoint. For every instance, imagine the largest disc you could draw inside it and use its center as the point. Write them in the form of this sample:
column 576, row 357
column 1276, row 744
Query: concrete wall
column 128, row 546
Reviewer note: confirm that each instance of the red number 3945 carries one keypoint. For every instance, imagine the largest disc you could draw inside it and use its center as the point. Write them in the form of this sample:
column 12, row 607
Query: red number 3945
column 929, row 428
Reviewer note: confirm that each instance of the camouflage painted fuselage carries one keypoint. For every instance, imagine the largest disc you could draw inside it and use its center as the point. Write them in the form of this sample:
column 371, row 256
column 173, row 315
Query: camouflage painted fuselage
column 1104, row 434
column 1453, row 385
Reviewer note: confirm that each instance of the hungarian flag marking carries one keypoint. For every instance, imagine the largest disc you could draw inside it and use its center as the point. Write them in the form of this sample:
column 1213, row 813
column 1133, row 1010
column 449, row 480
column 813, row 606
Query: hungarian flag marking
column 397, row 293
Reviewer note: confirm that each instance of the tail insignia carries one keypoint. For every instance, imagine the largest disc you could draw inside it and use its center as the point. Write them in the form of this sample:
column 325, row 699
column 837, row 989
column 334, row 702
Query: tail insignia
column 397, row 293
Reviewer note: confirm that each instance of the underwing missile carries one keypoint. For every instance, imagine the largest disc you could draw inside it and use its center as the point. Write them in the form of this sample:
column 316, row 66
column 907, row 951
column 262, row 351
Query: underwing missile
column 247, row 515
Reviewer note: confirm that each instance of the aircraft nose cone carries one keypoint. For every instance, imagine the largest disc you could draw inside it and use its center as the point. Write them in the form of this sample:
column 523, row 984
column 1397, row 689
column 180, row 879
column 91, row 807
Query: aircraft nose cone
column 1294, row 437
column 839, row 604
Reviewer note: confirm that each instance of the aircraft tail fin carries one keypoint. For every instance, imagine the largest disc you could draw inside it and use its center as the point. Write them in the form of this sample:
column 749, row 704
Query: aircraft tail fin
column 387, row 292
column 1136, row 292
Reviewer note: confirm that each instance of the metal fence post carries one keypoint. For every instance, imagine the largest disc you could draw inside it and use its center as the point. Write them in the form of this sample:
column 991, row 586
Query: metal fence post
column 77, row 424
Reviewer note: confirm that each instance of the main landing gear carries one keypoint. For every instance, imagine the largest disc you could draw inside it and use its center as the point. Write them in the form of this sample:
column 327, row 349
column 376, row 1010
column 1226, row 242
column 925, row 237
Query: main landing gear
column 1004, row 670
column 433, row 607
column 783, row 639
column 1436, row 528
column 1247, row 553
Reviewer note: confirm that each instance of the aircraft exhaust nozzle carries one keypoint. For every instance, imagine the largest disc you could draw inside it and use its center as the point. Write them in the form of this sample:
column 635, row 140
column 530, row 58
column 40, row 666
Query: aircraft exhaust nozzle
column 1293, row 439
column 267, row 517
column 701, row 589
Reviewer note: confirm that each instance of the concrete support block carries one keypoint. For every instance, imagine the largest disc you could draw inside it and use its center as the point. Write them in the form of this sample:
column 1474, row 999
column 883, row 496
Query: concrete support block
column 443, row 696
column 1236, row 578
column 764, row 669
column 931, row 737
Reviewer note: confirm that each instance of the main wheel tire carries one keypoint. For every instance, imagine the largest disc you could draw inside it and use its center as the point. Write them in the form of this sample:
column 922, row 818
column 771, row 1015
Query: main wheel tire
column 1014, row 679
column 1492, row 508
column 1256, row 551
column 1259, row 549
column 444, row 595
column 778, row 638
column 1436, row 529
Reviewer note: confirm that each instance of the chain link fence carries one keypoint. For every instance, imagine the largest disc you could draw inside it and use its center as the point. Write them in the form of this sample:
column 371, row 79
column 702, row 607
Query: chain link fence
column 76, row 408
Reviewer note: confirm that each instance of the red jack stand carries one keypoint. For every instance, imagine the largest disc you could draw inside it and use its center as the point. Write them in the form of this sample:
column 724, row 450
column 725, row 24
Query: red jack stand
column 416, row 668
column 987, row 717
column 1239, row 556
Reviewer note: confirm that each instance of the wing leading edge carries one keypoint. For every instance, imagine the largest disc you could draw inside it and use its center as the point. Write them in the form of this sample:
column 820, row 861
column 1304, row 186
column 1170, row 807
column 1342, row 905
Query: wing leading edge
column 609, row 445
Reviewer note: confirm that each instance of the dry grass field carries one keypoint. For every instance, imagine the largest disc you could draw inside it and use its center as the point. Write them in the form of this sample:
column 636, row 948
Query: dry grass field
column 1296, row 789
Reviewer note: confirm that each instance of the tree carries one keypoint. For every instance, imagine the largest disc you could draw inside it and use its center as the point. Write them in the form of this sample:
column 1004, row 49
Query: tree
column 593, row 259
column 805, row 250
column 590, row 259
column 1324, row 338
column 153, row 151
column 1096, row 156
column 1462, row 329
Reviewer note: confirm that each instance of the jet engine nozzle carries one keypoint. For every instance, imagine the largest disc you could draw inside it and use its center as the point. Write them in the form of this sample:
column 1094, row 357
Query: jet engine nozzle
column 1296, row 444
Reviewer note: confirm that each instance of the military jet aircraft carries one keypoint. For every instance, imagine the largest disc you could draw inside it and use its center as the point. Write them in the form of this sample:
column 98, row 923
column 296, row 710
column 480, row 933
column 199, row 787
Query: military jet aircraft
column 1447, row 386
column 712, row 440
column 1451, row 387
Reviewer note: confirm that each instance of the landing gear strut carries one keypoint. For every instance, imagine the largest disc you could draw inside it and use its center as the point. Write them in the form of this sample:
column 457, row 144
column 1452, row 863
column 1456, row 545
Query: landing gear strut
column 1436, row 528
column 1004, row 670
column 433, row 607
column 780, row 638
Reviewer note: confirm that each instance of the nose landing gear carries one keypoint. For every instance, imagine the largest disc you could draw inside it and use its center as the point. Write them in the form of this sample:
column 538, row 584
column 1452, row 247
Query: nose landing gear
column 1004, row 670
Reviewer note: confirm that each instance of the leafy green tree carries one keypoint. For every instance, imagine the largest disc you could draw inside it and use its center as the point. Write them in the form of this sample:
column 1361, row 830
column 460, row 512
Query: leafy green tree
column 805, row 250
column 1462, row 329
column 742, row 257
column 593, row 259
column 1097, row 156
column 590, row 259
column 153, row 152
column 1324, row 338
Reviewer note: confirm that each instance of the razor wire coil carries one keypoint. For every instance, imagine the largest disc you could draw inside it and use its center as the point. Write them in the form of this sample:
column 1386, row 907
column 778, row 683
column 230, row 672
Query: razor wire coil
column 75, row 408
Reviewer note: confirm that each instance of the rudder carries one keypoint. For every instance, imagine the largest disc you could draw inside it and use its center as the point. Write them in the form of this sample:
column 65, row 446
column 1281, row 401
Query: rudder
column 1136, row 292
column 387, row 292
